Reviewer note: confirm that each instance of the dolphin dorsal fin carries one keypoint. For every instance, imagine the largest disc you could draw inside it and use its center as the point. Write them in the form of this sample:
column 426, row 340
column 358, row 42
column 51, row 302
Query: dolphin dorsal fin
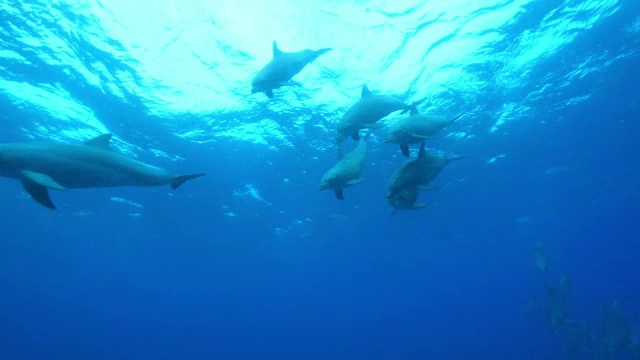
column 365, row 91
column 422, row 152
column 101, row 141
column 413, row 109
column 276, row 51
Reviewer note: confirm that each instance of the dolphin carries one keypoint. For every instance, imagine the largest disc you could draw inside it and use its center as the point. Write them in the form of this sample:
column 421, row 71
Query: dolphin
column 347, row 172
column 539, row 257
column 558, row 301
column 41, row 166
column 416, row 128
column 282, row 68
column 419, row 172
column 616, row 333
column 405, row 199
column 366, row 112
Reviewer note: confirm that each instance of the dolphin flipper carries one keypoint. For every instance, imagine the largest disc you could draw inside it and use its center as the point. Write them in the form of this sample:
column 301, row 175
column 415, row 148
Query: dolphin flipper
column 339, row 194
column 179, row 180
column 269, row 93
column 38, row 193
column 355, row 136
column 405, row 149
column 42, row 180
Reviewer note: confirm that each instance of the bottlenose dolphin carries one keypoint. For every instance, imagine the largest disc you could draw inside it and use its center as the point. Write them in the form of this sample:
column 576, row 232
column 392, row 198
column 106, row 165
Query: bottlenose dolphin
column 347, row 171
column 616, row 333
column 282, row 68
column 405, row 199
column 419, row 172
column 366, row 112
column 539, row 256
column 41, row 166
column 558, row 301
column 416, row 128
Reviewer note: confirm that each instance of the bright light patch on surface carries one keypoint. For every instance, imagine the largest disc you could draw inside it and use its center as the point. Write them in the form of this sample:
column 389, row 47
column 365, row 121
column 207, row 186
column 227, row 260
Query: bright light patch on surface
column 195, row 59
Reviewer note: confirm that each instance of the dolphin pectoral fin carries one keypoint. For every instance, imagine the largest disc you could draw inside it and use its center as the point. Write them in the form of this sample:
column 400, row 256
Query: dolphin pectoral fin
column 355, row 181
column 419, row 206
column 102, row 141
column 269, row 93
column 38, row 193
column 355, row 136
column 427, row 188
column 405, row 150
column 42, row 180
column 339, row 194
column 179, row 180
column 394, row 212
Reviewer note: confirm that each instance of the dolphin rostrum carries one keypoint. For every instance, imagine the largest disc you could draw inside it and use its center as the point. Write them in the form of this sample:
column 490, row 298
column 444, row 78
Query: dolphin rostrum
column 418, row 172
column 282, row 68
column 415, row 128
column 366, row 112
column 347, row 171
column 42, row 165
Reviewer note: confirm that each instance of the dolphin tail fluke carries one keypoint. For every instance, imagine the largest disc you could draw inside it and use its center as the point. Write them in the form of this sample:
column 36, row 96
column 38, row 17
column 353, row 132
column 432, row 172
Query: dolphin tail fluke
column 179, row 180
column 39, row 193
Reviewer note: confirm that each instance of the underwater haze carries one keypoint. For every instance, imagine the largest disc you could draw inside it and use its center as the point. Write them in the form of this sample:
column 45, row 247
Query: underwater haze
column 528, row 247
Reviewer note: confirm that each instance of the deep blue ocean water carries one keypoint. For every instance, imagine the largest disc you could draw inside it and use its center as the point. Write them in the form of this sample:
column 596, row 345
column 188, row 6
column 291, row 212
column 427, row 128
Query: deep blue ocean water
column 252, row 261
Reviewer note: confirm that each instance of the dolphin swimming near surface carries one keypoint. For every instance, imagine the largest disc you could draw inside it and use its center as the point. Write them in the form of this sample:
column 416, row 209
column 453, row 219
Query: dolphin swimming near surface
column 366, row 112
column 416, row 128
column 419, row 172
column 282, row 68
column 41, row 166
column 347, row 172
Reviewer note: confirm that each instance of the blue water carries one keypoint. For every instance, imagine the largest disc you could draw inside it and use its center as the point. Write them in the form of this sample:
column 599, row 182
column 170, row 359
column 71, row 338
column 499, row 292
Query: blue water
column 252, row 261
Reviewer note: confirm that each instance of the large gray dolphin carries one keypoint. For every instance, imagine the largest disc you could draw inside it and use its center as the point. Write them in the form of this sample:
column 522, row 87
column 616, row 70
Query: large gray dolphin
column 418, row 172
column 282, row 68
column 416, row 128
column 41, row 166
column 347, row 171
column 366, row 112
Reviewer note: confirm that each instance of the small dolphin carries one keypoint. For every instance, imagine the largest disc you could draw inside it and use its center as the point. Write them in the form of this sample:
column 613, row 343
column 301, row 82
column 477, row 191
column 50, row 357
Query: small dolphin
column 366, row 112
column 616, row 333
column 41, row 166
column 405, row 199
column 558, row 301
column 282, row 68
column 416, row 128
column 347, row 172
column 419, row 172
column 539, row 257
